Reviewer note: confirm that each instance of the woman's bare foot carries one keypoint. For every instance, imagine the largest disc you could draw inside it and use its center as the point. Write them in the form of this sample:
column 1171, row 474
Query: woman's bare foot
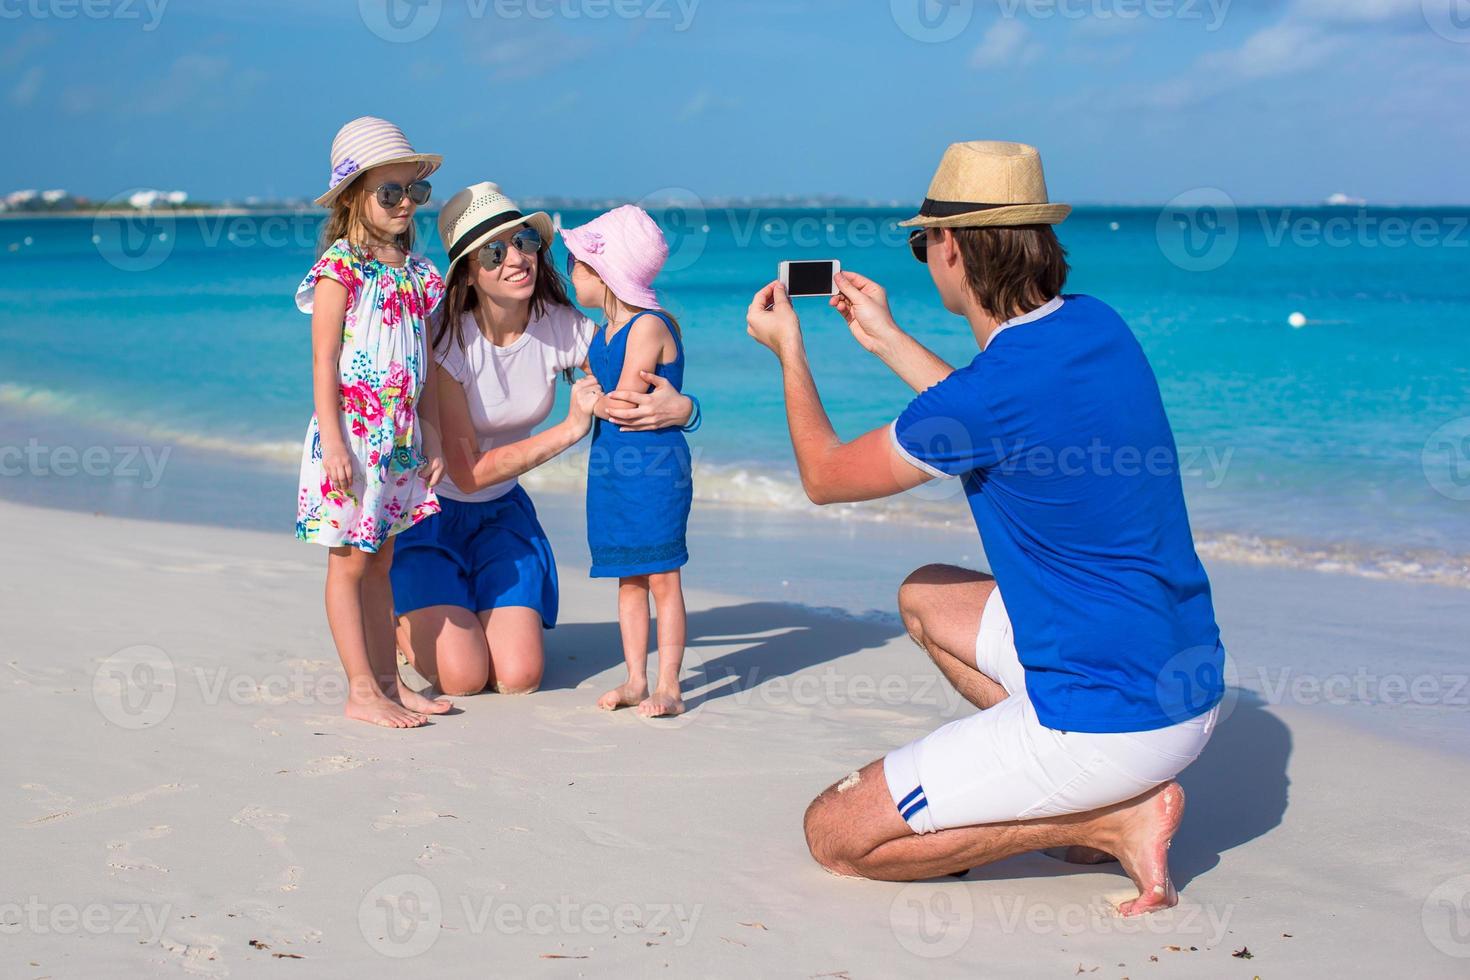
column 665, row 703
column 623, row 696
column 376, row 709
column 1147, row 826
column 414, row 701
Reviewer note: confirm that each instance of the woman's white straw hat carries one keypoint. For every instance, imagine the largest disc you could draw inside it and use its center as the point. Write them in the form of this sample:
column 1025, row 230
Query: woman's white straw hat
column 369, row 142
column 987, row 183
column 477, row 214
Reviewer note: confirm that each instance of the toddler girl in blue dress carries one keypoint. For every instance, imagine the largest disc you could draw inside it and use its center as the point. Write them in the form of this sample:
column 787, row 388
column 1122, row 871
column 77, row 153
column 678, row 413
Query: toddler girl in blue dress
column 639, row 484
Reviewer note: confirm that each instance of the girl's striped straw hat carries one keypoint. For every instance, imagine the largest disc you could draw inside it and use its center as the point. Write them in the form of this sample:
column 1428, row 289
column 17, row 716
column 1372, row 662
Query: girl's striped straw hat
column 370, row 142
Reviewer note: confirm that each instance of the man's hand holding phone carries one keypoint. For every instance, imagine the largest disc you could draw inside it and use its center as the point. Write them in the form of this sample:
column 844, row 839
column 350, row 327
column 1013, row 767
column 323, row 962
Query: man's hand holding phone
column 864, row 305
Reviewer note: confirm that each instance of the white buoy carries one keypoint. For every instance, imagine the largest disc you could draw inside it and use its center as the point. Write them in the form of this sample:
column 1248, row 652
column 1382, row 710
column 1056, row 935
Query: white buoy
column 1113, row 226
column 30, row 240
column 1297, row 320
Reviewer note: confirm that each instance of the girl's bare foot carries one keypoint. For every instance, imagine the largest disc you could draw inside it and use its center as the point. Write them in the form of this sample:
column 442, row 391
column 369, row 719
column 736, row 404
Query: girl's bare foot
column 623, row 696
column 414, row 701
column 1143, row 847
column 665, row 703
column 375, row 709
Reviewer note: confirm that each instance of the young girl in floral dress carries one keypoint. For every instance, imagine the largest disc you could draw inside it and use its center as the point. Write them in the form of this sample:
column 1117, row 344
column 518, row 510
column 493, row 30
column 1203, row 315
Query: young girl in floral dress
column 372, row 455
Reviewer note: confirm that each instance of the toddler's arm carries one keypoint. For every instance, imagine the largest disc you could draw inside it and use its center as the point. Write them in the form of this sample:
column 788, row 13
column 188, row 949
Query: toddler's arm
column 644, row 351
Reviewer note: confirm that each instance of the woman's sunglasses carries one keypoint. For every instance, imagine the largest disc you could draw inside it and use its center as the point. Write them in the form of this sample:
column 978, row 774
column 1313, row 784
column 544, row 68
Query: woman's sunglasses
column 919, row 244
column 391, row 194
column 527, row 241
column 571, row 264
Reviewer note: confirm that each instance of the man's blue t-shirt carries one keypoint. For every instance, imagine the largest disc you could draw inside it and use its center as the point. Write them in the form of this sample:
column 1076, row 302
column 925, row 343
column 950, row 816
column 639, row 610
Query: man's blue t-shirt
column 1072, row 474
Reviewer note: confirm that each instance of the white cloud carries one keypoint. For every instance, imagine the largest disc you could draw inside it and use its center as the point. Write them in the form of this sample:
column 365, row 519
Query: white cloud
column 703, row 101
column 1276, row 50
column 1358, row 11
column 26, row 90
column 1007, row 42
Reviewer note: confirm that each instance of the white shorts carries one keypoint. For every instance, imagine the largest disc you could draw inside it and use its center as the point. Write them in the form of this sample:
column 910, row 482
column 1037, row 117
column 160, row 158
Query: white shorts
column 1002, row 764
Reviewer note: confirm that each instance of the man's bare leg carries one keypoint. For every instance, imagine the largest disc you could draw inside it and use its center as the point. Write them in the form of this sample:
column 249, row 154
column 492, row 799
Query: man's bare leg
column 853, row 828
column 941, row 607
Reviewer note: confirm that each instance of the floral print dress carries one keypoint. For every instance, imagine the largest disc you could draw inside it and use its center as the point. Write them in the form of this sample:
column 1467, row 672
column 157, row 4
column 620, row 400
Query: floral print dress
column 382, row 370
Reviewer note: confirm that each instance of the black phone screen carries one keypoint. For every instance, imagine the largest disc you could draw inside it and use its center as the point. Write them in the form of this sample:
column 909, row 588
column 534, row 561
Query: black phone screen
column 809, row 278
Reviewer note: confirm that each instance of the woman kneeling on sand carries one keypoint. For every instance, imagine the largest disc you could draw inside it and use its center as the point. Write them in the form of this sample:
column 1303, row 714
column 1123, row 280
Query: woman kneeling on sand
column 475, row 586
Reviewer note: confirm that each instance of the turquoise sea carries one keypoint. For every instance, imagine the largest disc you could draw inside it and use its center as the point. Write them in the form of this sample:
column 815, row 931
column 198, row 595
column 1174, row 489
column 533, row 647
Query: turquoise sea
column 1343, row 442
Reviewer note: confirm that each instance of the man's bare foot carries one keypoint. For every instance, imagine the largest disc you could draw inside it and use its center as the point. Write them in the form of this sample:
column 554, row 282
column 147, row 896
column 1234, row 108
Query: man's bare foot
column 380, row 710
column 1079, row 854
column 414, row 701
column 665, row 703
column 623, row 696
column 1147, row 826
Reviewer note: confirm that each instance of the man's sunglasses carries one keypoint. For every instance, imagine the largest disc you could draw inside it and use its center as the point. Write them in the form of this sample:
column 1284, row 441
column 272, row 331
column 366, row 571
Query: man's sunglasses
column 391, row 194
column 527, row 241
column 919, row 244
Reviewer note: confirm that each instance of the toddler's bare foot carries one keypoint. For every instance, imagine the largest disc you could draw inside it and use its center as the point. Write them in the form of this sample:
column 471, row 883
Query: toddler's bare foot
column 665, row 703
column 414, row 701
column 623, row 696
column 375, row 709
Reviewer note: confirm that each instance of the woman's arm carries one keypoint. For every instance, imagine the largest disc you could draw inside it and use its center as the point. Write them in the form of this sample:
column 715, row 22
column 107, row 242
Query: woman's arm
column 662, row 408
column 328, row 311
column 472, row 470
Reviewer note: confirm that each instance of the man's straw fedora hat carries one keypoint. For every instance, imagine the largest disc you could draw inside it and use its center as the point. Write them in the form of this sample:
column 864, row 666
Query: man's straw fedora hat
column 986, row 183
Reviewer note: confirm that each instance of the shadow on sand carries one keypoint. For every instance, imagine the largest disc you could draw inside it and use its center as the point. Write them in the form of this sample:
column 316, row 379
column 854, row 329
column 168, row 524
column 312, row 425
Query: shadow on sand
column 775, row 639
column 1236, row 791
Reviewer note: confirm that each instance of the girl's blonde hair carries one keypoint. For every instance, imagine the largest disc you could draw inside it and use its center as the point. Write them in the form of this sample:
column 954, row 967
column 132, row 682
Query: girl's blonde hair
column 635, row 310
column 348, row 219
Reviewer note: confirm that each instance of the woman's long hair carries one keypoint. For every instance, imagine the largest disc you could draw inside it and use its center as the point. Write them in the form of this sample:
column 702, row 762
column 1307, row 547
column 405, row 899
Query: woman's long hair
column 460, row 298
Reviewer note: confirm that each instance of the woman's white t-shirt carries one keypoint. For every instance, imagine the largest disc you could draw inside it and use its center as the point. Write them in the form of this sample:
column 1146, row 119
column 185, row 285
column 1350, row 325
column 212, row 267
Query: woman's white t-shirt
column 510, row 390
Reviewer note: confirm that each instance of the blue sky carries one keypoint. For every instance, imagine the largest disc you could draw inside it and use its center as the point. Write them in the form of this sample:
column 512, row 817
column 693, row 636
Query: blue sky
column 1130, row 101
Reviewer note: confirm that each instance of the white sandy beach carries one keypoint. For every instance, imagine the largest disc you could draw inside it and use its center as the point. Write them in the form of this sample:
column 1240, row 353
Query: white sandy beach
column 183, row 798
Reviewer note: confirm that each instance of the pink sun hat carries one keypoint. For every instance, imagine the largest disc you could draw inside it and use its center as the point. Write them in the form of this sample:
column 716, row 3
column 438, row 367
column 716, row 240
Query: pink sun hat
column 626, row 248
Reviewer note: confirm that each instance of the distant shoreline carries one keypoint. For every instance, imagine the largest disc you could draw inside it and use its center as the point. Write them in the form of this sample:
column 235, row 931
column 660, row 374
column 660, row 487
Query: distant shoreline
column 710, row 205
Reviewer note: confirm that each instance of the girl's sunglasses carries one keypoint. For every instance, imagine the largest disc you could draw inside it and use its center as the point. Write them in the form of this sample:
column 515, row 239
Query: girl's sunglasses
column 391, row 194
column 571, row 264
column 527, row 241
column 919, row 244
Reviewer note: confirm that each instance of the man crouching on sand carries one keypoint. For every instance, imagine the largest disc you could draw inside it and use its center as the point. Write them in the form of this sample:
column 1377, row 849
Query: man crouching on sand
column 1099, row 673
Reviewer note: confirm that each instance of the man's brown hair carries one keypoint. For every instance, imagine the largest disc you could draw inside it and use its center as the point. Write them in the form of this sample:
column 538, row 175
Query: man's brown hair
column 1011, row 271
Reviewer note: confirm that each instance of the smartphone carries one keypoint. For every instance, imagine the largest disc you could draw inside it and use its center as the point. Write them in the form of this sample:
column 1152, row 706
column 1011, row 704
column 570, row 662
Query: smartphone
column 809, row 278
